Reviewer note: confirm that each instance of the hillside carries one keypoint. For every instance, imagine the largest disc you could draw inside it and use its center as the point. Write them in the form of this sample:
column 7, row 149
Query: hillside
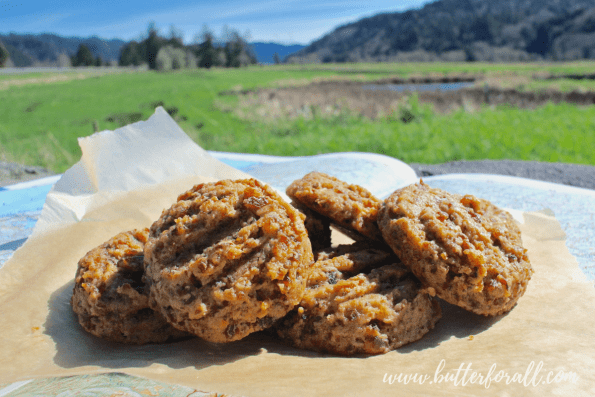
column 459, row 30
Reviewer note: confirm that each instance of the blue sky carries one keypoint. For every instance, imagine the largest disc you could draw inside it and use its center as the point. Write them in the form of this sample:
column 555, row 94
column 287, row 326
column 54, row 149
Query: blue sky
column 282, row 21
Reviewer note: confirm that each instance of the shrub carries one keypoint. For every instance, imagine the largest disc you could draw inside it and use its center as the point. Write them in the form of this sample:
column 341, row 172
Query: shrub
column 170, row 58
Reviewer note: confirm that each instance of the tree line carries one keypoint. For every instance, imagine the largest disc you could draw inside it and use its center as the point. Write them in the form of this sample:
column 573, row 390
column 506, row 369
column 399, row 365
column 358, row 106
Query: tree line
column 167, row 53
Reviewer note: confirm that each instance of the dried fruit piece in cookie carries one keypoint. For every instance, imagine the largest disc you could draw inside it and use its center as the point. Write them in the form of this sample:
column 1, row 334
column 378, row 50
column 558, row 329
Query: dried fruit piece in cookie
column 110, row 298
column 227, row 259
column 350, row 206
column 348, row 314
column 466, row 248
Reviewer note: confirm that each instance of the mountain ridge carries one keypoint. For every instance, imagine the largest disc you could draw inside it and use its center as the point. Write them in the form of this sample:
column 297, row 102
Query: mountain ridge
column 459, row 30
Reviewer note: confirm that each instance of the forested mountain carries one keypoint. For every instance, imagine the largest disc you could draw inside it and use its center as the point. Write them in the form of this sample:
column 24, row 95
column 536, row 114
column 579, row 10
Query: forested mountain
column 484, row 30
column 46, row 49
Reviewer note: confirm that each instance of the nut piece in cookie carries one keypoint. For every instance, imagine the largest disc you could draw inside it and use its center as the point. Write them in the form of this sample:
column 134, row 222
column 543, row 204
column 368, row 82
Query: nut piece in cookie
column 347, row 312
column 110, row 297
column 350, row 206
column 467, row 249
column 227, row 259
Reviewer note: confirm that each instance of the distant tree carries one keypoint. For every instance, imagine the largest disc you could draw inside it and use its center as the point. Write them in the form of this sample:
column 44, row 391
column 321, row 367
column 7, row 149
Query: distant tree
column 588, row 25
column 175, row 37
column 276, row 58
column 233, row 49
column 64, row 60
column 406, row 41
column 4, row 55
column 132, row 54
column 207, row 54
column 469, row 54
column 153, row 43
column 542, row 41
column 476, row 29
column 178, row 59
column 83, row 57
column 191, row 62
column 237, row 51
column 172, row 58
column 164, row 60
column 220, row 59
column 98, row 61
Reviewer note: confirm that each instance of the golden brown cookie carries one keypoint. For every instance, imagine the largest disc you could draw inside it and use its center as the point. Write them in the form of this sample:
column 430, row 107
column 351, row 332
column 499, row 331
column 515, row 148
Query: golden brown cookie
column 110, row 297
column 227, row 259
column 350, row 206
column 347, row 312
column 467, row 249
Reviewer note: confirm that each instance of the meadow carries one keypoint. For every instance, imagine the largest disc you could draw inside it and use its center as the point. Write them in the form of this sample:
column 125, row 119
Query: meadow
column 42, row 115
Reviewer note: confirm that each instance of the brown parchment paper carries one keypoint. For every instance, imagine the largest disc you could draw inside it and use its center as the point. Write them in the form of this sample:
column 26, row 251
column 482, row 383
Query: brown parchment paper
column 550, row 331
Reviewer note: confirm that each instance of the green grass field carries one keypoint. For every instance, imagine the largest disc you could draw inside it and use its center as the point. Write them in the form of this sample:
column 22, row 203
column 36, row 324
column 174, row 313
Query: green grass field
column 40, row 122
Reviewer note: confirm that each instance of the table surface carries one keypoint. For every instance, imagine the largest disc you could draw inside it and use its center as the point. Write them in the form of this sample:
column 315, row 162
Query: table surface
column 574, row 208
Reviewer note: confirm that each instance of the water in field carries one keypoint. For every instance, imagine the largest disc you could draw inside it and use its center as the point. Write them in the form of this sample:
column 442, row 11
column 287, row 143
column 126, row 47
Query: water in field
column 419, row 87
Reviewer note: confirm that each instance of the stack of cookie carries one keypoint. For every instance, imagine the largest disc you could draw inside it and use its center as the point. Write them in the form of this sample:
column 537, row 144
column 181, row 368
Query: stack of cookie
column 227, row 259
column 232, row 257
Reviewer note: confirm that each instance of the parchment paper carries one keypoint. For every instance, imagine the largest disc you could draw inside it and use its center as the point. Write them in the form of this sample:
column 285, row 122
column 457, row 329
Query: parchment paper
column 116, row 187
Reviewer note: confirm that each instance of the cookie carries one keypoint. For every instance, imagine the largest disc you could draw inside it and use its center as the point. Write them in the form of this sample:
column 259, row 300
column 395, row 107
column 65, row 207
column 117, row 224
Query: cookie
column 346, row 312
column 350, row 206
column 318, row 227
column 467, row 249
column 110, row 297
column 227, row 259
column 361, row 254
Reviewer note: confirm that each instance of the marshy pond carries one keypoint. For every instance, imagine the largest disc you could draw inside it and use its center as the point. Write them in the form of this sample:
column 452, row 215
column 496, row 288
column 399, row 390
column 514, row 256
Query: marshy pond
column 381, row 98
